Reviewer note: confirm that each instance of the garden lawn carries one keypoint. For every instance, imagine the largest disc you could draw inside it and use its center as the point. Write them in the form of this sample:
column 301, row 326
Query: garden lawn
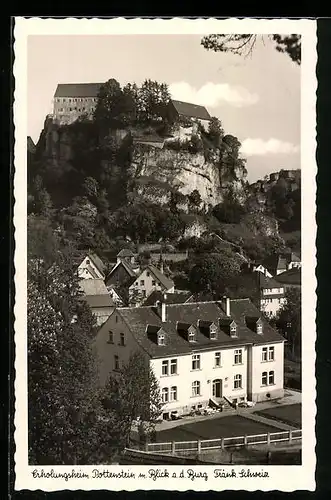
column 289, row 414
column 214, row 429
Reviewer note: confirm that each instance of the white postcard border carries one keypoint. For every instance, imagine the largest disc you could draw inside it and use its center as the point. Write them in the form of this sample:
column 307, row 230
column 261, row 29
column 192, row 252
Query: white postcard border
column 284, row 478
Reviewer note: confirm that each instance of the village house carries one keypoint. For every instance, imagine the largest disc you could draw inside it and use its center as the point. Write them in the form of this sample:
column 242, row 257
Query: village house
column 96, row 295
column 178, row 110
column 122, row 274
column 279, row 263
column 101, row 306
column 200, row 352
column 150, row 279
column 290, row 279
column 272, row 295
column 91, row 267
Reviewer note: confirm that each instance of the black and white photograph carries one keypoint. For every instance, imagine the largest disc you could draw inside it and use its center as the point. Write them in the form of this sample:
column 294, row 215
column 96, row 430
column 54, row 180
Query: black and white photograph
column 160, row 257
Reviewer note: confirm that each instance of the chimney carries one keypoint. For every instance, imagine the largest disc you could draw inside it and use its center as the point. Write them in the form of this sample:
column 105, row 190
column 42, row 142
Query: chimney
column 161, row 308
column 226, row 306
column 163, row 312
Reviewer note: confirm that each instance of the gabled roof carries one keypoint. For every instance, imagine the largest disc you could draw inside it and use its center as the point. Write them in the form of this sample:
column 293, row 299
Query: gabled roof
column 97, row 261
column 78, row 89
column 280, row 261
column 162, row 278
column 191, row 110
column 129, row 269
column 265, row 282
column 93, row 287
column 99, row 300
column 125, row 252
column 138, row 318
column 290, row 277
column 171, row 298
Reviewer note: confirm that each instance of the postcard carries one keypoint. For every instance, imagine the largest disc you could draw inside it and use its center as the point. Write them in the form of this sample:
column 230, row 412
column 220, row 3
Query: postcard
column 164, row 287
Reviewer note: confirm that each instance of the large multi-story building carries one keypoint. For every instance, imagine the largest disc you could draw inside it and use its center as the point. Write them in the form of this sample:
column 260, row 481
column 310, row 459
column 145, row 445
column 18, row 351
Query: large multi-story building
column 72, row 100
column 199, row 351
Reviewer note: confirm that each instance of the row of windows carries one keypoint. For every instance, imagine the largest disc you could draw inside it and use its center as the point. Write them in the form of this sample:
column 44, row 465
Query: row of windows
column 142, row 283
column 169, row 367
column 71, row 109
column 170, row 394
column 76, row 99
column 111, row 338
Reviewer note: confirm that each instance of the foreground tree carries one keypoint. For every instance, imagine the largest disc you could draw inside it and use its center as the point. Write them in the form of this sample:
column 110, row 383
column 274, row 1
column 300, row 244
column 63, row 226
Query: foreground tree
column 134, row 393
column 67, row 423
column 244, row 44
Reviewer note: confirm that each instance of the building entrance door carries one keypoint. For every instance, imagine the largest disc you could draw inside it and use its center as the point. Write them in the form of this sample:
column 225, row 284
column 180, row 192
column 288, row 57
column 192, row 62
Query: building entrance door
column 217, row 388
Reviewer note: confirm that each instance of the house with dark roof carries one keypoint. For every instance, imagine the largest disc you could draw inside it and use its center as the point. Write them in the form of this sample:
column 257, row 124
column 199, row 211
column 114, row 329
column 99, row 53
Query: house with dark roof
column 122, row 274
column 91, row 267
column 101, row 306
column 200, row 351
column 72, row 100
column 178, row 110
column 290, row 278
column 127, row 255
column 150, row 279
column 279, row 263
column 272, row 294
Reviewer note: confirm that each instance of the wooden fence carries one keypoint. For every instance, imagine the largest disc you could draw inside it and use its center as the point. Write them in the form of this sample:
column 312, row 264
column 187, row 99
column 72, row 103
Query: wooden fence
column 222, row 443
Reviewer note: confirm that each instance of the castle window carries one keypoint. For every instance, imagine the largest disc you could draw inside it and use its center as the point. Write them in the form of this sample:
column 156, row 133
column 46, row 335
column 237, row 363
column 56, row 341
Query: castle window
column 116, row 362
column 217, row 359
column 122, row 339
column 110, row 337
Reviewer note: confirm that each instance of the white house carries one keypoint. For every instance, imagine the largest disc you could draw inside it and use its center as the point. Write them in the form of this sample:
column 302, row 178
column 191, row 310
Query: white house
column 272, row 295
column 91, row 267
column 200, row 352
column 149, row 280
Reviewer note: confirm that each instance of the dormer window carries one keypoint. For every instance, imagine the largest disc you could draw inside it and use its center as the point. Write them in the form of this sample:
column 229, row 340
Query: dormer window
column 208, row 328
column 233, row 330
column 229, row 326
column 188, row 331
column 212, row 333
column 191, row 336
column 156, row 334
column 255, row 323
column 161, row 339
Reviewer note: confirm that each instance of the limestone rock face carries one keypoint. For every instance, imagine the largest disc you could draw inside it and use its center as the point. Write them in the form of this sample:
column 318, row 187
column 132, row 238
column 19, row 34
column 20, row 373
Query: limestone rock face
column 154, row 172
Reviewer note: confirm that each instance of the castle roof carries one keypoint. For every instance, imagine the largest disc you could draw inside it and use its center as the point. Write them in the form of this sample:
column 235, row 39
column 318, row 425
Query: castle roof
column 78, row 89
column 191, row 110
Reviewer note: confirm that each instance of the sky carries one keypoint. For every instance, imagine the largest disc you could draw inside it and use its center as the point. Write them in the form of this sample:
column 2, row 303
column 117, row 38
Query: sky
column 257, row 98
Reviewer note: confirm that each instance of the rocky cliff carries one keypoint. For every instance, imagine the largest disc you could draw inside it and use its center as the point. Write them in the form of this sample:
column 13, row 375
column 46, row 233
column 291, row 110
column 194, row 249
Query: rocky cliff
column 155, row 170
